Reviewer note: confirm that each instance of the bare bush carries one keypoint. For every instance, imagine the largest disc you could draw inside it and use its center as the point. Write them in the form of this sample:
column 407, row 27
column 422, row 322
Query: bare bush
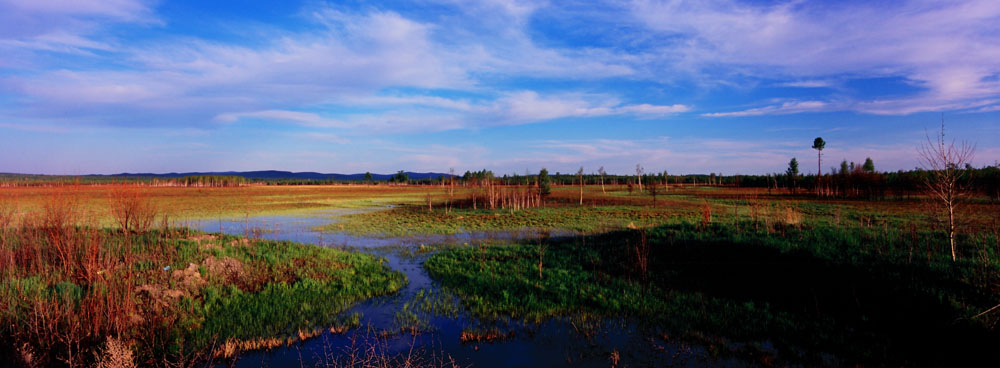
column 131, row 209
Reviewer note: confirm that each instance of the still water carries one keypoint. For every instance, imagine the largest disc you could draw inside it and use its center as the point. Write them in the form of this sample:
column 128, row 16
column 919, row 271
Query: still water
column 554, row 343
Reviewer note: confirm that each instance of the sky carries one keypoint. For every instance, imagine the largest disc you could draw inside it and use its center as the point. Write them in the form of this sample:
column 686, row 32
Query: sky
column 723, row 86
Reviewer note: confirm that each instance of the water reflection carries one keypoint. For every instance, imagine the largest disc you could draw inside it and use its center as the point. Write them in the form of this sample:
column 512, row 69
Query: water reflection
column 555, row 343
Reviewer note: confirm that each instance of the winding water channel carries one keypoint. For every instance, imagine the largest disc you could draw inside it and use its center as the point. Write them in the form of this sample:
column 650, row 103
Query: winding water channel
column 554, row 343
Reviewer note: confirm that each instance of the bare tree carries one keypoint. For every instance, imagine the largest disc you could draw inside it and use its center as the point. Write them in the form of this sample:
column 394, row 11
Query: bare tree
column 602, row 172
column 638, row 175
column 945, row 181
column 654, row 190
column 451, row 188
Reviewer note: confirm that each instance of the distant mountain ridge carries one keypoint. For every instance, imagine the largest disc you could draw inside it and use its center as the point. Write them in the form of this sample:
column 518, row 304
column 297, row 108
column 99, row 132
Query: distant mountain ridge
column 276, row 174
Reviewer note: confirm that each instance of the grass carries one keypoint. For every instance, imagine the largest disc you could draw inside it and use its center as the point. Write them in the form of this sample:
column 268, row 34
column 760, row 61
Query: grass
column 170, row 295
column 94, row 201
column 415, row 220
column 864, row 295
column 616, row 210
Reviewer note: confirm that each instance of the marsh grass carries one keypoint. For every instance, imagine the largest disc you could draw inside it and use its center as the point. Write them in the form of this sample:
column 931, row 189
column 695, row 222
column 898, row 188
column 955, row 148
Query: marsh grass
column 852, row 292
column 412, row 220
column 209, row 203
column 371, row 347
column 866, row 281
column 168, row 295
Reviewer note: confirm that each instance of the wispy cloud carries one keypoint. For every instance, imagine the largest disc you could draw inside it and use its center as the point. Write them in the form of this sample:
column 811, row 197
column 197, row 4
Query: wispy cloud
column 65, row 26
column 814, row 83
column 515, row 108
column 789, row 107
column 948, row 49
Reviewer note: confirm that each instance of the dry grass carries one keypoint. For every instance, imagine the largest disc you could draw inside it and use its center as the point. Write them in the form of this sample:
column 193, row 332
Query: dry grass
column 116, row 354
column 370, row 348
column 487, row 336
column 179, row 203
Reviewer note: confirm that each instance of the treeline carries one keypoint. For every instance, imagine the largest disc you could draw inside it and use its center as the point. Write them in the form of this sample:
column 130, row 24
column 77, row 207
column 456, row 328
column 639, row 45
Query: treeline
column 856, row 182
column 20, row 180
column 28, row 180
column 204, row 181
column 471, row 177
column 849, row 181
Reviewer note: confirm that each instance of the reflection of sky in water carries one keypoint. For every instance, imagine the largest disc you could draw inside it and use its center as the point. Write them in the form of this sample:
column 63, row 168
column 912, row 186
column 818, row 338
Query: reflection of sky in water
column 301, row 229
column 555, row 343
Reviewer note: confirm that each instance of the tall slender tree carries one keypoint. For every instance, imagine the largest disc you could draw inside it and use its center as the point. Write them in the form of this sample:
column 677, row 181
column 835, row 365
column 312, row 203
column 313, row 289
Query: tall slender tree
column 819, row 145
column 579, row 178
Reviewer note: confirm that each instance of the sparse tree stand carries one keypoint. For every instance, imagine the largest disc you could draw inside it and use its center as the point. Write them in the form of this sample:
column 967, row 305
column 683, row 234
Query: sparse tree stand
column 819, row 145
column 945, row 182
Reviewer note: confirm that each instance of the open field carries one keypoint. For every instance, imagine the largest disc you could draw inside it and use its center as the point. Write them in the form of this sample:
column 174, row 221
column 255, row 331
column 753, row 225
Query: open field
column 617, row 209
column 755, row 275
column 179, row 203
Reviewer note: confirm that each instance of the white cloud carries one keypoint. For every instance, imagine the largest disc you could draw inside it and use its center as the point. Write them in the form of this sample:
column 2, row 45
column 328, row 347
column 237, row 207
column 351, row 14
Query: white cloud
column 811, row 83
column 515, row 108
column 647, row 109
column 528, row 106
column 789, row 107
column 951, row 49
column 296, row 117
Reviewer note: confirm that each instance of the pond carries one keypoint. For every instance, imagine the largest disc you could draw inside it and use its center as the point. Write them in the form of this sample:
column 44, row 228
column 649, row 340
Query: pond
column 561, row 342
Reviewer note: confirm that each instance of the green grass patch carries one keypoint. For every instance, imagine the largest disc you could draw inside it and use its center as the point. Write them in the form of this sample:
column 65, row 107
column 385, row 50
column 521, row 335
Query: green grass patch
column 865, row 295
column 412, row 220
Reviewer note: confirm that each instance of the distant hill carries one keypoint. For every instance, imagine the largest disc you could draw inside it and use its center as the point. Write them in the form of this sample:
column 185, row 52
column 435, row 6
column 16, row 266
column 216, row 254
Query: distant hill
column 275, row 174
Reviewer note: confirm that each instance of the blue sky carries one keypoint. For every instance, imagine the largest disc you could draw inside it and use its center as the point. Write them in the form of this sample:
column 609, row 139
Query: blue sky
column 107, row 86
